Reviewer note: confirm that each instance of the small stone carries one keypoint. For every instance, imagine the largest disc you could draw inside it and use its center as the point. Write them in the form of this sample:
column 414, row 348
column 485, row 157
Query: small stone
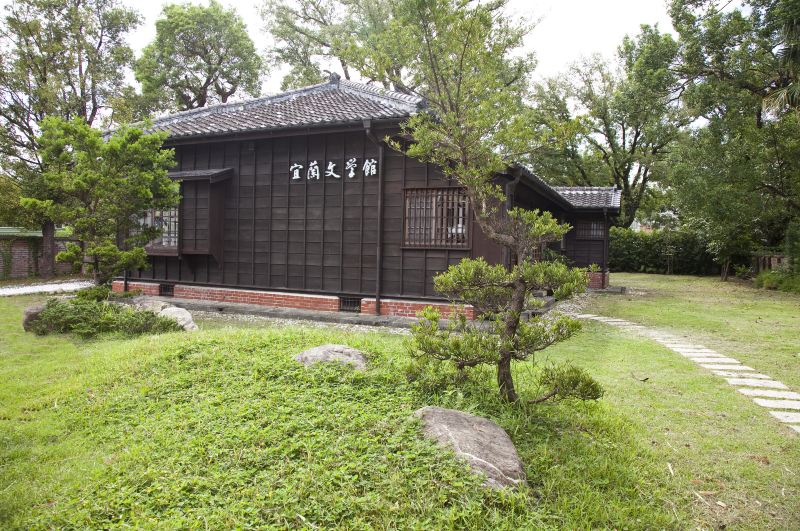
column 777, row 404
column 786, row 416
column 333, row 353
column 180, row 316
column 478, row 441
column 727, row 367
column 769, row 393
column 756, row 383
column 30, row 315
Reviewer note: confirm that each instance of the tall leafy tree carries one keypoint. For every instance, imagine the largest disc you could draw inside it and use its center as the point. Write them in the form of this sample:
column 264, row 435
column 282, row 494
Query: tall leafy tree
column 622, row 118
column 464, row 59
column 314, row 36
column 65, row 58
column 201, row 55
column 105, row 187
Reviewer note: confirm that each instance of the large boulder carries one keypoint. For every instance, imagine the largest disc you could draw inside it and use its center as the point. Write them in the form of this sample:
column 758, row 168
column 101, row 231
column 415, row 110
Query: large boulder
column 149, row 304
column 30, row 315
column 333, row 353
column 180, row 316
column 478, row 441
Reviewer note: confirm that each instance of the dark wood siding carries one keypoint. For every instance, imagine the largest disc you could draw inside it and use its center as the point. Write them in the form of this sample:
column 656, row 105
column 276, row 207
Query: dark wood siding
column 302, row 235
column 318, row 236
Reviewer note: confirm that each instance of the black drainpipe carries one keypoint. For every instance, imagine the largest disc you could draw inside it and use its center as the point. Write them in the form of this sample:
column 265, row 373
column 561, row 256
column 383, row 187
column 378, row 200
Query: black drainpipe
column 125, row 281
column 605, row 246
column 379, row 239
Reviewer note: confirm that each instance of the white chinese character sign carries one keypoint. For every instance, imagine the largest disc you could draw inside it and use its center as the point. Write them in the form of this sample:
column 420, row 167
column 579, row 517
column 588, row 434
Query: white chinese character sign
column 368, row 168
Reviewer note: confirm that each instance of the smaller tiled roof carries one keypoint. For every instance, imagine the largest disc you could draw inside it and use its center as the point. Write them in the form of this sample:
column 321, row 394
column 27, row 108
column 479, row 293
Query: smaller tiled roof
column 213, row 175
column 591, row 196
column 336, row 102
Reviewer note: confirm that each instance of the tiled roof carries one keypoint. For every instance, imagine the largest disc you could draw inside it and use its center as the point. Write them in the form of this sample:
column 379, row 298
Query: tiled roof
column 590, row 196
column 337, row 101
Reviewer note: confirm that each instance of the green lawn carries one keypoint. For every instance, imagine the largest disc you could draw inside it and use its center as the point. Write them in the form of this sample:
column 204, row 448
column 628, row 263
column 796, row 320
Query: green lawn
column 222, row 429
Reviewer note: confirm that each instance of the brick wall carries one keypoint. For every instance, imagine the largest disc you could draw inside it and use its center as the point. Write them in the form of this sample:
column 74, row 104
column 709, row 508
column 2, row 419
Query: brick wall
column 302, row 301
column 20, row 257
column 403, row 308
column 147, row 288
column 598, row 280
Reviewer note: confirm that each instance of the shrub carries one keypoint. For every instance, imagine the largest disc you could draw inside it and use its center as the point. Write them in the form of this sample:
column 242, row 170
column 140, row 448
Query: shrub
column 94, row 293
column 89, row 318
column 779, row 280
column 642, row 252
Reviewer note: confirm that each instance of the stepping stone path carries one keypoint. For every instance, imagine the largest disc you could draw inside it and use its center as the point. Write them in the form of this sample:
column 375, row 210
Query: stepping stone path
column 782, row 403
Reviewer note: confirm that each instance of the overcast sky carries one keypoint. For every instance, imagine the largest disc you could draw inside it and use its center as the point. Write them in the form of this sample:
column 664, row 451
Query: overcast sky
column 566, row 31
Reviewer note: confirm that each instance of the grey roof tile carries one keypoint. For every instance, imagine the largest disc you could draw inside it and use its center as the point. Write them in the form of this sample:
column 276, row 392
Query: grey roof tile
column 591, row 196
column 334, row 102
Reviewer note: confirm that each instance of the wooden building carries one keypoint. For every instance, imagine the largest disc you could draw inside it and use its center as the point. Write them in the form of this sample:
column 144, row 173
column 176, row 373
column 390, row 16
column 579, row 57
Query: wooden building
column 295, row 200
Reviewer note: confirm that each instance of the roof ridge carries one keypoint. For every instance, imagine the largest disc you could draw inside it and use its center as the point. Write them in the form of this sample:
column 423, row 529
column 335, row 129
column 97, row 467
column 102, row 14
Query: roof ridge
column 222, row 107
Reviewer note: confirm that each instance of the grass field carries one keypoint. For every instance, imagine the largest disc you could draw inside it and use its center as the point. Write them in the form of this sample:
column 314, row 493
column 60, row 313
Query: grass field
column 222, row 429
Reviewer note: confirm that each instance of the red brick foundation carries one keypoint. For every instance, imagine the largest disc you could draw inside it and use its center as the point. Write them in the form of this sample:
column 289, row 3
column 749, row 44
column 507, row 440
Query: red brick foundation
column 403, row 308
column 302, row 301
column 598, row 279
column 147, row 288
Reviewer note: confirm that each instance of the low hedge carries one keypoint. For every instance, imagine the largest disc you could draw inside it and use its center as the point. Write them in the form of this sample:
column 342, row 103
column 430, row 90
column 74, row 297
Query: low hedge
column 88, row 318
column 643, row 252
column 779, row 280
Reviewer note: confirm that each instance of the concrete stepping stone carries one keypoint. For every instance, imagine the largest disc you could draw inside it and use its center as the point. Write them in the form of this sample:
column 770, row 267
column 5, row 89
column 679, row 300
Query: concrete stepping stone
column 734, row 374
column 769, row 393
column 777, row 404
column 702, row 355
column 752, row 382
column 726, row 367
column 795, row 427
column 786, row 416
column 723, row 359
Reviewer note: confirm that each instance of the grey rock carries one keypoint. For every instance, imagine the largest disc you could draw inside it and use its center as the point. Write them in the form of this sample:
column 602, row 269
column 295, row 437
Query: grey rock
column 180, row 316
column 30, row 315
column 149, row 304
column 478, row 441
column 333, row 353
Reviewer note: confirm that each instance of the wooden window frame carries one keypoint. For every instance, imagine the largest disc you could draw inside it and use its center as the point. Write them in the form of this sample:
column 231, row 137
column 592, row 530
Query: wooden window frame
column 446, row 215
column 166, row 244
column 590, row 229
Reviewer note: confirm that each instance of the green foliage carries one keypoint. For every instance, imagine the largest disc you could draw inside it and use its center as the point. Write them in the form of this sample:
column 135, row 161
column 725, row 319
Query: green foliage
column 792, row 245
column 779, row 280
column 498, row 296
column 106, row 187
column 613, row 124
column 89, row 318
column 94, row 293
column 567, row 381
column 200, row 55
column 644, row 252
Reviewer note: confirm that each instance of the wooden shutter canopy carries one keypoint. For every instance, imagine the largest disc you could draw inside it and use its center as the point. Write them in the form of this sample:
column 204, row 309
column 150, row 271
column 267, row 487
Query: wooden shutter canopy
column 202, row 211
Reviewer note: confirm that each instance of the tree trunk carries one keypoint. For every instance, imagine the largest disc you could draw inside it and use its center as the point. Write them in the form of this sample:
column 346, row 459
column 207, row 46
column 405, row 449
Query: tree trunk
column 47, row 268
column 724, row 271
column 504, row 378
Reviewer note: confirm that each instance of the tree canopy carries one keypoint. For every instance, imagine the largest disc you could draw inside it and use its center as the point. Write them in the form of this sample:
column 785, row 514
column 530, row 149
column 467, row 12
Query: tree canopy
column 200, row 55
column 105, row 188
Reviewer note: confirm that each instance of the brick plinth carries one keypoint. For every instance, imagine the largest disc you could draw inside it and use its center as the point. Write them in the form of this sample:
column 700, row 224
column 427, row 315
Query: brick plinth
column 403, row 308
column 598, row 279
column 302, row 301
column 147, row 288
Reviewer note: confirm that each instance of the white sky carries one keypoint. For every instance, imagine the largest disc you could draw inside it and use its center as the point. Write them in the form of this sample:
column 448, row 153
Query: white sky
column 567, row 29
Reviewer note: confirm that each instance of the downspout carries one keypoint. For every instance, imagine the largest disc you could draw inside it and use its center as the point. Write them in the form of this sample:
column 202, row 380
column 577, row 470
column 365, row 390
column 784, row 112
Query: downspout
column 605, row 248
column 379, row 239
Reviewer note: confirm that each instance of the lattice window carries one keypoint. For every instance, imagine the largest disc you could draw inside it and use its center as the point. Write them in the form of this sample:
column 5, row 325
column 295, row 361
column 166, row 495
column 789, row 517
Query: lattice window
column 590, row 230
column 167, row 221
column 436, row 217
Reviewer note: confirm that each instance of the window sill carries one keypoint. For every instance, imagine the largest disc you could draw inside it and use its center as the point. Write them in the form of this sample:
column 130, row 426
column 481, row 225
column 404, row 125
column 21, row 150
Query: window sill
column 161, row 250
